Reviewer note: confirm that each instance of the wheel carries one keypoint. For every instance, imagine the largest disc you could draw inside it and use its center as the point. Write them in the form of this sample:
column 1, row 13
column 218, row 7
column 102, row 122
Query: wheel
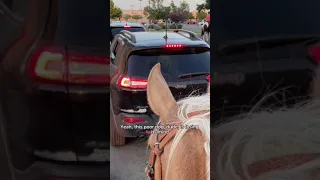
column 116, row 139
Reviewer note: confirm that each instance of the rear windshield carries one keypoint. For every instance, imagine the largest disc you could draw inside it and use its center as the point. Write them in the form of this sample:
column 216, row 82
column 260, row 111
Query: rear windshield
column 172, row 64
column 116, row 30
column 233, row 19
column 82, row 22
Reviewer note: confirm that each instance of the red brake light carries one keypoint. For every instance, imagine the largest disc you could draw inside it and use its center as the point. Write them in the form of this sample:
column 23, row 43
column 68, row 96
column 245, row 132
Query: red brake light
column 208, row 78
column 53, row 65
column 132, row 83
column 85, row 69
column 314, row 52
column 126, row 26
column 133, row 120
column 49, row 65
column 173, row 45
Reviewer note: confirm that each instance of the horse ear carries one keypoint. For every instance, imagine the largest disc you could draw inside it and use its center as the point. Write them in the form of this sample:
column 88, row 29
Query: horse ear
column 316, row 85
column 159, row 96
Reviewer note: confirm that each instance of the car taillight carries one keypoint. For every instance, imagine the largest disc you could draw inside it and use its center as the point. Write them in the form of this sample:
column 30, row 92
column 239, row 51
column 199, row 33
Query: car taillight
column 133, row 120
column 126, row 26
column 49, row 65
column 83, row 69
column 173, row 45
column 314, row 52
column 54, row 65
column 132, row 83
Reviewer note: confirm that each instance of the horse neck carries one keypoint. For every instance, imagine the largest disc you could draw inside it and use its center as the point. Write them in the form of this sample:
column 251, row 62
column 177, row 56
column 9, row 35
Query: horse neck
column 188, row 160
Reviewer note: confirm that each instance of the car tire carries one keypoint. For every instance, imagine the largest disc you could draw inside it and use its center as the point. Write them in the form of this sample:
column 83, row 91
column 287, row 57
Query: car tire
column 116, row 139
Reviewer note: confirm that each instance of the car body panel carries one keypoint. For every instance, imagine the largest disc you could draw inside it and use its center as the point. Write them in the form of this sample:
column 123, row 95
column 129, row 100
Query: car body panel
column 57, row 122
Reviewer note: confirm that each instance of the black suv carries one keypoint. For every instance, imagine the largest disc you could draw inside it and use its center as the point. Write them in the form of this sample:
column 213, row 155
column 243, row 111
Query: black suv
column 116, row 27
column 185, row 63
column 256, row 54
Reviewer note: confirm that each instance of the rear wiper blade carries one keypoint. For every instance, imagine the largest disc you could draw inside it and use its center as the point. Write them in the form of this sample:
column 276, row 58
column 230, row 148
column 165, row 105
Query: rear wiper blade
column 271, row 41
column 190, row 75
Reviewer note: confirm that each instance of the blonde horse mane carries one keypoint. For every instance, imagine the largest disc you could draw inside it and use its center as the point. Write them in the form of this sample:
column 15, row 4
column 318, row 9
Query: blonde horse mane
column 265, row 135
column 186, row 106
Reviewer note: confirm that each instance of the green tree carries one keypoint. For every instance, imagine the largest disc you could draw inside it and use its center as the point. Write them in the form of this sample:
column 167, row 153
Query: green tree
column 200, row 7
column 201, row 15
column 173, row 8
column 203, row 6
column 190, row 16
column 207, row 4
column 184, row 8
column 136, row 17
column 156, row 11
column 115, row 12
column 180, row 13
column 127, row 17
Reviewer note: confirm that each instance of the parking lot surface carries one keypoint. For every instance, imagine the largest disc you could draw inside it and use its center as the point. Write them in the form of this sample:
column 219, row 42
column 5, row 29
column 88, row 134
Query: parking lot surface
column 128, row 162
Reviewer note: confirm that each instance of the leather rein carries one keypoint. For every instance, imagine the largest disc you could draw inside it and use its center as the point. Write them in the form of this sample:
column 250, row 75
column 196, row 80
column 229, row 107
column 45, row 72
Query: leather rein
column 161, row 141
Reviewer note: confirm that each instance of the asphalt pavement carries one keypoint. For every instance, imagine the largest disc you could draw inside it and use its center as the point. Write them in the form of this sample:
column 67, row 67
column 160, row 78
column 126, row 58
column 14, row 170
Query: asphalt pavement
column 192, row 27
column 129, row 161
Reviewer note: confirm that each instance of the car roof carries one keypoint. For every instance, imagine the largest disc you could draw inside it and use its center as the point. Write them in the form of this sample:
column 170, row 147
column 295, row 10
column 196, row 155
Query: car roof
column 156, row 39
column 121, row 24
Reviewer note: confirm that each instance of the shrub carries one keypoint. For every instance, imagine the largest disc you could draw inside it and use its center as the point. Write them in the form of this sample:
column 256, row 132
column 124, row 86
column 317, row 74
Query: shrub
column 172, row 26
column 151, row 27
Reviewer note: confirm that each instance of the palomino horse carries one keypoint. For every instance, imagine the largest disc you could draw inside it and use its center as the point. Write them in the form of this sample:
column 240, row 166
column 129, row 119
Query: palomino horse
column 277, row 145
column 182, row 153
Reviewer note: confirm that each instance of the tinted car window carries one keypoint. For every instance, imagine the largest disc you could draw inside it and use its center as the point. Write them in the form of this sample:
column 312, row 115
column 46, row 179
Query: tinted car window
column 18, row 7
column 171, row 65
column 82, row 22
column 233, row 20
column 116, row 30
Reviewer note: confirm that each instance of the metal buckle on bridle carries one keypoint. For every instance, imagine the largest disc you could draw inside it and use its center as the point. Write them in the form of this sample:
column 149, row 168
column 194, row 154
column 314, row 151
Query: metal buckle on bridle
column 149, row 171
column 157, row 147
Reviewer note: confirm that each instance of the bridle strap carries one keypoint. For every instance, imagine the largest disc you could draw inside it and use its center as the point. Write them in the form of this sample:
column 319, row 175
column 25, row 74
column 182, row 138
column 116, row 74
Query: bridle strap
column 157, row 149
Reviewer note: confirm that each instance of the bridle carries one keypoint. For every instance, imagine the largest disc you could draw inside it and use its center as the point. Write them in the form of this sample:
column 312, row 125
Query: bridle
column 161, row 141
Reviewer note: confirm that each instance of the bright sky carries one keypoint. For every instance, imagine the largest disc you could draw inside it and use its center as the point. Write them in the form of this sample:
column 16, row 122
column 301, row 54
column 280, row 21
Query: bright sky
column 126, row 4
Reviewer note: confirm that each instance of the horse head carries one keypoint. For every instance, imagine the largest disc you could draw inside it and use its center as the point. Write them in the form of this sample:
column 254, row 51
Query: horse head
column 185, row 154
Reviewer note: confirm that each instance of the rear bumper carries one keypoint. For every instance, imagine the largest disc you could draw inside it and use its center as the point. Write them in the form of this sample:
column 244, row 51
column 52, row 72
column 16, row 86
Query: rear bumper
column 149, row 120
column 47, row 170
column 52, row 119
column 79, row 116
